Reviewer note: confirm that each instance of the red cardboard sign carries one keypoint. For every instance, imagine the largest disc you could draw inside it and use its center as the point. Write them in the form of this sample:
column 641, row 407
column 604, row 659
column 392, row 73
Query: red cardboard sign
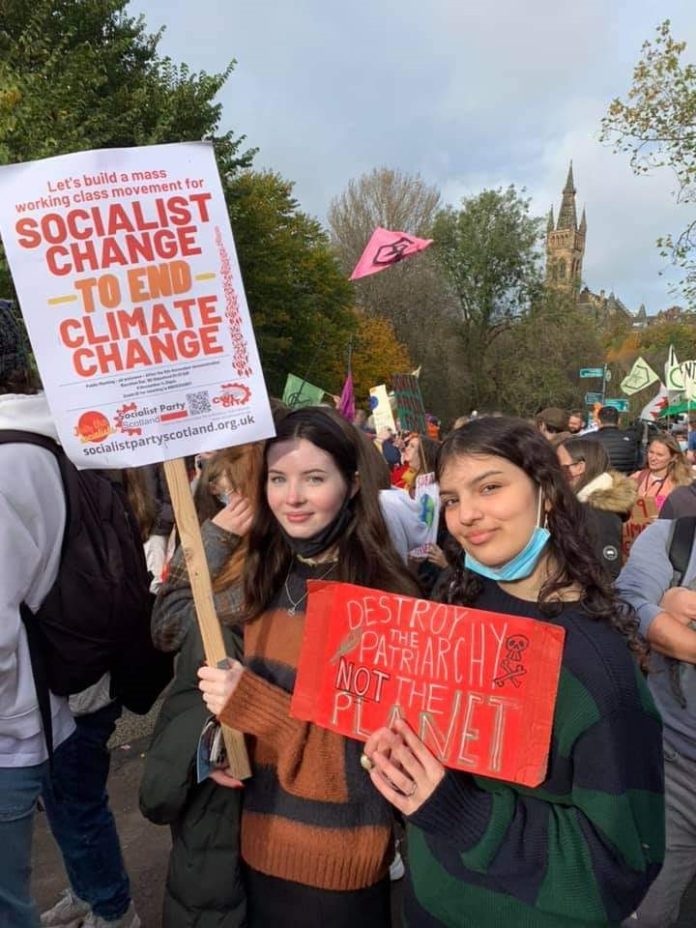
column 478, row 687
column 642, row 515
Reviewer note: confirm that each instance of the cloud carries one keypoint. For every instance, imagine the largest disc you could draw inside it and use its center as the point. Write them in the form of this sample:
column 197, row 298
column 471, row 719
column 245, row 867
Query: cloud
column 469, row 95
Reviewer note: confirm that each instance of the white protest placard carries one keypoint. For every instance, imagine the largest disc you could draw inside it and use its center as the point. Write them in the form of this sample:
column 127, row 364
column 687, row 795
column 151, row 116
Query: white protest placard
column 427, row 495
column 688, row 372
column 128, row 279
column 381, row 410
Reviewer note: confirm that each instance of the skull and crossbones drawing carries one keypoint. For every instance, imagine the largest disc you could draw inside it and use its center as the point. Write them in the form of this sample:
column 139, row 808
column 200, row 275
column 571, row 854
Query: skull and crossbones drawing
column 512, row 666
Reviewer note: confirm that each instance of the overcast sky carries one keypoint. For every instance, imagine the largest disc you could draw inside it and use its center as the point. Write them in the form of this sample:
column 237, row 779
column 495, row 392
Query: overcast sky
column 469, row 93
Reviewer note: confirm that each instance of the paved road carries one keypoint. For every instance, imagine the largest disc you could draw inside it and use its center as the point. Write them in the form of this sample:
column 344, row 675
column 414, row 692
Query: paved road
column 146, row 846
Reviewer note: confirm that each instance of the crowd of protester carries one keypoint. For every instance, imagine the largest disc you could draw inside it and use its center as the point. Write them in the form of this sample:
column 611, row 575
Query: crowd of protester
column 532, row 516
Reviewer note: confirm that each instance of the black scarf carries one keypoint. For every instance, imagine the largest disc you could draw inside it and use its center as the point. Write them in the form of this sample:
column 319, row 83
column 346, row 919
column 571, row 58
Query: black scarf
column 324, row 539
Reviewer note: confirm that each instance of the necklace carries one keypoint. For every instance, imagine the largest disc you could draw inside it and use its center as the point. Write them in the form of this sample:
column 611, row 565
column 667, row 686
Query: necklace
column 295, row 604
column 653, row 483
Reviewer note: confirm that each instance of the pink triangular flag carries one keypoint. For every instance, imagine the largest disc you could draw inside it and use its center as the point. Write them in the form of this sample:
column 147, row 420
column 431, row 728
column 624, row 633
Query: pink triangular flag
column 346, row 405
column 386, row 248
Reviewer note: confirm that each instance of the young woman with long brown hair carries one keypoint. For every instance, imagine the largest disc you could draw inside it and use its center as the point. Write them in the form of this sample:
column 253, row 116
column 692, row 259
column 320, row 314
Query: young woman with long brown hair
column 316, row 837
column 666, row 468
column 204, row 883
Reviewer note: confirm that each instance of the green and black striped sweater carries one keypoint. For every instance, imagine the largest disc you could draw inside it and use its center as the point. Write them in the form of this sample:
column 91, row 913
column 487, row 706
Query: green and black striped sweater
column 581, row 849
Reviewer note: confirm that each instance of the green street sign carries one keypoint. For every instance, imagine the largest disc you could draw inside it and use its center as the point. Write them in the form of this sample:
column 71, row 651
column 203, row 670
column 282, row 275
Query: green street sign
column 592, row 372
column 592, row 398
column 621, row 405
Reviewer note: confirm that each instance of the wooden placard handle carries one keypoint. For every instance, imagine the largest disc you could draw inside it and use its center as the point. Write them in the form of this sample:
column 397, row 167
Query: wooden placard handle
column 201, row 587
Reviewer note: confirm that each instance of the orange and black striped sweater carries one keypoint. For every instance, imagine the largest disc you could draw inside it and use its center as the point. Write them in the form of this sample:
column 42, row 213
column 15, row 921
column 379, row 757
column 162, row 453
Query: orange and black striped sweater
column 311, row 813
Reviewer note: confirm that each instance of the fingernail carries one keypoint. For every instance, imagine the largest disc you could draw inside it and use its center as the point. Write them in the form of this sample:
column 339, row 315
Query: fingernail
column 365, row 762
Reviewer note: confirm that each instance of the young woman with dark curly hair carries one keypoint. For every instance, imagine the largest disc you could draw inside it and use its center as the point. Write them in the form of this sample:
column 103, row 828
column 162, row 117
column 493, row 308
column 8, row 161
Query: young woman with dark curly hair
column 582, row 848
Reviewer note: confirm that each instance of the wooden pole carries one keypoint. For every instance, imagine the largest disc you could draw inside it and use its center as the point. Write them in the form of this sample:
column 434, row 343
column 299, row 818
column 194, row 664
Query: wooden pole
column 201, row 587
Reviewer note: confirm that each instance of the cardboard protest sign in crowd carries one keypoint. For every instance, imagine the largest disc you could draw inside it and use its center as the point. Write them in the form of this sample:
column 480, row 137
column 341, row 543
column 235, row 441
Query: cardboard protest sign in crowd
column 479, row 688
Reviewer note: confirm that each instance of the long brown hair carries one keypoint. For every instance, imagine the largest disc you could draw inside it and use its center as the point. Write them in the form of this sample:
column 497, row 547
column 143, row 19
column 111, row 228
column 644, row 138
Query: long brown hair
column 678, row 468
column 140, row 498
column 591, row 453
column 570, row 546
column 242, row 468
column 365, row 552
column 427, row 453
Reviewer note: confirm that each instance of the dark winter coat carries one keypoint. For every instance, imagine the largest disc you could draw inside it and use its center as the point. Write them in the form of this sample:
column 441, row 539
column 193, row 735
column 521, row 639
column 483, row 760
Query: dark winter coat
column 204, row 885
column 622, row 447
column 608, row 506
column 680, row 502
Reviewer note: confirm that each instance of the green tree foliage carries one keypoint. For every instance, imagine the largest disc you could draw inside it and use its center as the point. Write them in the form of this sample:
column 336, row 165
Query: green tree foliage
column 535, row 362
column 82, row 74
column 299, row 299
column 656, row 124
column 672, row 327
column 488, row 253
column 377, row 354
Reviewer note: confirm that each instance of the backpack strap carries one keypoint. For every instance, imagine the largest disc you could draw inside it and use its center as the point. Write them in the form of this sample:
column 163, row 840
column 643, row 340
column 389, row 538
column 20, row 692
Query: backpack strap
column 681, row 541
column 19, row 437
column 38, row 669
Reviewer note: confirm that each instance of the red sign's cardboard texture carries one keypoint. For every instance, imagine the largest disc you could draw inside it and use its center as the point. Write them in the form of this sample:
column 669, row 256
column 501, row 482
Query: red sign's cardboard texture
column 478, row 687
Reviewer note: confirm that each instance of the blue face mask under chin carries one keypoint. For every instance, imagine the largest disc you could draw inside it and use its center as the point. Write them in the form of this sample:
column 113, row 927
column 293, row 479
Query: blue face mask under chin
column 522, row 564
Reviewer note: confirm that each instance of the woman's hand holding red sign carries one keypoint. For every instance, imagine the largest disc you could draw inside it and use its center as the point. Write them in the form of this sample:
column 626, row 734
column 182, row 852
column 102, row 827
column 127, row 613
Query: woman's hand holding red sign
column 403, row 769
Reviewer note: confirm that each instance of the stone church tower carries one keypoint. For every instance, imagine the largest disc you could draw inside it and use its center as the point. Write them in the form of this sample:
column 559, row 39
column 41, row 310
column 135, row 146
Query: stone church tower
column 565, row 242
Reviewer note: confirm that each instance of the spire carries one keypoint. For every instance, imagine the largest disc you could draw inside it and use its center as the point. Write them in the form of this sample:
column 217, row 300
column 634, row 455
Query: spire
column 583, row 223
column 550, row 224
column 567, row 218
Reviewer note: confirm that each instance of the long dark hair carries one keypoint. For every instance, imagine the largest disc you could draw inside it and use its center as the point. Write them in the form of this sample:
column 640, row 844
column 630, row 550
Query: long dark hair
column 142, row 502
column 365, row 552
column 242, row 467
column 570, row 546
column 427, row 452
column 590, row 452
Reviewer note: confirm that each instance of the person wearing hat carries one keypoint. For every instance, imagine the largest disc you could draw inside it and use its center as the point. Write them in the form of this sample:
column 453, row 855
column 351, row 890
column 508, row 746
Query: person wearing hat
column 32, row 519
column 552, row 421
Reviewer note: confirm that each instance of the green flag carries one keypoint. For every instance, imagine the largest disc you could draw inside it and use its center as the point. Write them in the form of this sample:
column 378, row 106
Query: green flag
column 640, row 376
column 298, row 393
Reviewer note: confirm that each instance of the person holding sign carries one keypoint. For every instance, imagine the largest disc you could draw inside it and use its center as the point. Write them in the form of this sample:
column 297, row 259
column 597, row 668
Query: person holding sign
column 582, row 848
column 316, row 837
column 418, row 458
column 667, row 468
